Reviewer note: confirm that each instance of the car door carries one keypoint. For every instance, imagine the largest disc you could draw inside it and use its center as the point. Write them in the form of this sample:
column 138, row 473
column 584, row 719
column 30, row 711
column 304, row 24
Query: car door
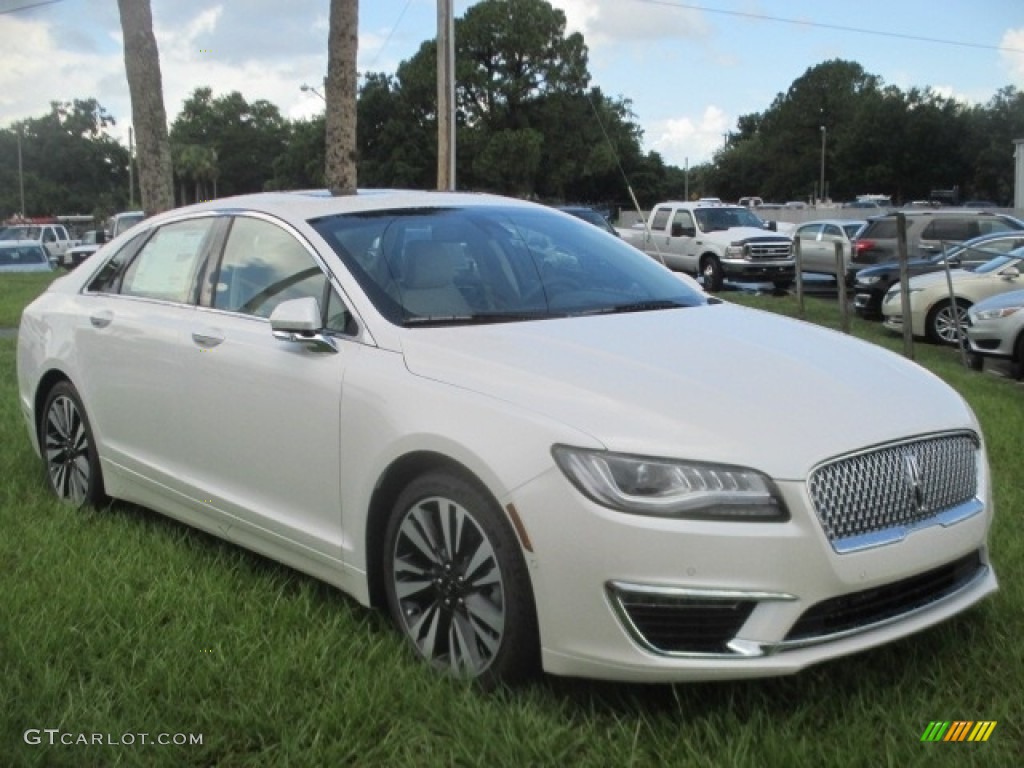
column 264, row 412
column 681, row 252
column 811, row 250
column 130, row 344
column 830, row 235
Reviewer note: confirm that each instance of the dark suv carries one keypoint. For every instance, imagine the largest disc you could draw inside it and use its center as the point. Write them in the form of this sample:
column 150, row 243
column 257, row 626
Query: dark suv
column 871, row 284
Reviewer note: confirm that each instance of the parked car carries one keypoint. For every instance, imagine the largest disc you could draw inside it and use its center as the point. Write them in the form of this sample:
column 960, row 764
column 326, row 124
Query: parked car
column 927, row 232
column 54, row 238
column 532, row 443
column 995, row 328
column 118, row 223
column 590, row 215
column 818, row 245
column 933, row 314
column 24, row 256
column 872, row 283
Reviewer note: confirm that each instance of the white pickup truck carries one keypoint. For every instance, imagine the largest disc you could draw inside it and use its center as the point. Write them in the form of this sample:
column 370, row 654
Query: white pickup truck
column 715, row 241
column 53, row 237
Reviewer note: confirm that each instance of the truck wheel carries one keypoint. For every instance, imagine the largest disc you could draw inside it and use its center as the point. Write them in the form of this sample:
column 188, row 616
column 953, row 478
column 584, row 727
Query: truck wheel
column 711, row 271
column 782, row 285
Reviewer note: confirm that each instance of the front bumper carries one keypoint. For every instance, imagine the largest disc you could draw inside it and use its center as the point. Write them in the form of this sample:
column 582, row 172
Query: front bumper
column 990, row 338
column 751, row 270
column 778, row 571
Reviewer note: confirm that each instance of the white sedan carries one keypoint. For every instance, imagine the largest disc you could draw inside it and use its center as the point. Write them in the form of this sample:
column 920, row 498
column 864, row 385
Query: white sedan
column 532, row 444
column 936, row 315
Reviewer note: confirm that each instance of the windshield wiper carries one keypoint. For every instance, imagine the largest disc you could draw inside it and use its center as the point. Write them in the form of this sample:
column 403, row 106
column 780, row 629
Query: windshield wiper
column 650, row 305
column 479, row 318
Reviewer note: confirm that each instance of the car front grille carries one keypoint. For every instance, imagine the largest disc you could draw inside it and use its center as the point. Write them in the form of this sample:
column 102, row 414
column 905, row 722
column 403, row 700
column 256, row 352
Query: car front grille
column 768, row 249
column 876, row 496
column 681, row 624
column 859, row 610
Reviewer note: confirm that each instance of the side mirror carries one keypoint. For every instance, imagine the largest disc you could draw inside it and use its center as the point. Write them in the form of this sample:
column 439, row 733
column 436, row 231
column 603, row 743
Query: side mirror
column 1010, row 273
column 678, row 230
column 953, row 261
column 772, row 225
column 298, row 321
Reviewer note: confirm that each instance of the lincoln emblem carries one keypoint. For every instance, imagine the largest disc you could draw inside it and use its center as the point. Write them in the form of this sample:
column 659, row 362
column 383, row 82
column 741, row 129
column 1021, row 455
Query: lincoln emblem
column 913, row 470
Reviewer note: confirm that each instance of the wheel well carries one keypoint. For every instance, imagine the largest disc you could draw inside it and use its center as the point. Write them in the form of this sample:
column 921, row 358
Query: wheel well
column 705, row 257
column 398, row 475
column 50, row 379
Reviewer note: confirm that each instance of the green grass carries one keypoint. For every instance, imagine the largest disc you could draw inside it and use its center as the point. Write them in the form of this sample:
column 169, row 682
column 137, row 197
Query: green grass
column 119, row 621
column 17, row 290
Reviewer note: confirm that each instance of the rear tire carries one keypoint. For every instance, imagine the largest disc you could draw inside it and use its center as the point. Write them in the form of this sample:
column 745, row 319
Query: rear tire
column 457, row 583
column 69, row 449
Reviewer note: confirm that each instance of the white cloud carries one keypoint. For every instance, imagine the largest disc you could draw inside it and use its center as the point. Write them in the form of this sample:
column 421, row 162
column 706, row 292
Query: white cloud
column 679, row 139
column 35, row 64
column 604, row 21
column 1013, row 61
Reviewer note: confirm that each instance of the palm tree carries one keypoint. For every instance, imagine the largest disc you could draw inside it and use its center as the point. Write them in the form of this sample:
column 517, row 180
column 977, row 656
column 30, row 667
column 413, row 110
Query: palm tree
column 342, row 46
column 142, row 66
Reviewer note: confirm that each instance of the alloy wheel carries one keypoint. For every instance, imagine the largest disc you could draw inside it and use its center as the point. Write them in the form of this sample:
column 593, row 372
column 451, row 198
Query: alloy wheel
column 448, row 585
column 66, row 448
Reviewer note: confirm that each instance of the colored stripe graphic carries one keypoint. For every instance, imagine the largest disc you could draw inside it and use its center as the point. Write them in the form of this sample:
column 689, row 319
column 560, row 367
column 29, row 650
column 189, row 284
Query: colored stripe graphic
column 958, row 730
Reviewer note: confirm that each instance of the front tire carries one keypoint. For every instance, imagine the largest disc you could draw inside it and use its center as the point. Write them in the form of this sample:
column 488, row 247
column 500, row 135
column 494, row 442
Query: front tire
column 69, row 449
column 457, row 584
column 941, row 325
column 711, row 271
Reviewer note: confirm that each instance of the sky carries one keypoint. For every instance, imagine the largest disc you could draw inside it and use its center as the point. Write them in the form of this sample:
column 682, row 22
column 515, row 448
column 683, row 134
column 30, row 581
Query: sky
column 690, row 69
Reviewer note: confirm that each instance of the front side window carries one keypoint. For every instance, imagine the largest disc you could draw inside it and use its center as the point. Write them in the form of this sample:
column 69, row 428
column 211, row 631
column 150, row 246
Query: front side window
column 168, row 265
column 809, row 232
column 262, row 266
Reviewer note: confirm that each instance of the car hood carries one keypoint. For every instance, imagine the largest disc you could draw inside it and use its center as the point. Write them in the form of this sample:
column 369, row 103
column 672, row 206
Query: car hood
column 917, row 266
column 999, row 301
column 715, row 383
column 743, row 234
column 958, row 276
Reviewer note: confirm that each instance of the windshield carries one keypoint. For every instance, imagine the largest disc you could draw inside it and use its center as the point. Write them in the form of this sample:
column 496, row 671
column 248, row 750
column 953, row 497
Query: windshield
column 713, row 219
column 21, row 233
column 496, row 264
column 999, row 262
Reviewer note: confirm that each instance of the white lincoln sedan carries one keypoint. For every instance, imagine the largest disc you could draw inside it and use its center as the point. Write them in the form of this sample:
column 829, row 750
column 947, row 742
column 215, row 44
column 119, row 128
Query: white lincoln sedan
column 532, row 444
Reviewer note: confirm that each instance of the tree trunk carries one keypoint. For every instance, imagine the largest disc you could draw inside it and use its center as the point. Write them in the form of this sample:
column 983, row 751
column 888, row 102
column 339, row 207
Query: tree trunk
column 342, row 46
column 142, row 66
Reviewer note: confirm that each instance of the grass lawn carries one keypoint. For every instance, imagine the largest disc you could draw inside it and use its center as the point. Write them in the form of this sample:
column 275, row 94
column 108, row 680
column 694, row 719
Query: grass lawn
column 17, row 290
column 120, row 622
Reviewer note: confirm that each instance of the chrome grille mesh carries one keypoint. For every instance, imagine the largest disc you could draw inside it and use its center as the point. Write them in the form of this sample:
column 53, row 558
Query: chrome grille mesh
column 894, row 486
column 769, row 249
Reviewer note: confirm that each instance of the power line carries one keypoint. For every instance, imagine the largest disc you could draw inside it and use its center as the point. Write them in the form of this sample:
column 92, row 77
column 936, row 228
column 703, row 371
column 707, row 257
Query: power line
column 28, row 6
column 822, row 25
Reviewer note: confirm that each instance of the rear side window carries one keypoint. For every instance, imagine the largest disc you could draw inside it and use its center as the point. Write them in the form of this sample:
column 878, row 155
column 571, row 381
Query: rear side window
column 109, row 276
column 168, row 264
column 955, row 230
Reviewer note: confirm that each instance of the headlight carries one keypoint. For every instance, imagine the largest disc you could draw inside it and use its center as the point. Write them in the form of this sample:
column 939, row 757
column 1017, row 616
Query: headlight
column 666, row 488
column 735, row 251
column 868, row 279
column 992, row 314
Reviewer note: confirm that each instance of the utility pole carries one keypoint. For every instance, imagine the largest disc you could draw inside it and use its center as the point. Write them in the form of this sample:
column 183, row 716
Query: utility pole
column 131, row 171
column 21, row 175
column 445, row 96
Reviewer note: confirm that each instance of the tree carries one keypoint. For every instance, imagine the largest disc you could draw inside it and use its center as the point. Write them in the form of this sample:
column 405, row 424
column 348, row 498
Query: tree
column 142, row 67
column 340, row 90
column 70, row 164
column 240, row 141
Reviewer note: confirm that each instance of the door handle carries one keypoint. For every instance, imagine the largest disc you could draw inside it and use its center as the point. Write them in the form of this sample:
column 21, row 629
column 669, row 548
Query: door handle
column 208, row 339
column 101, row 318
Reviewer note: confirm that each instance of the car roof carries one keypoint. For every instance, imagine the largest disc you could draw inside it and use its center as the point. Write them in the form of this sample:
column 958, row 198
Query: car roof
column 310, row 204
